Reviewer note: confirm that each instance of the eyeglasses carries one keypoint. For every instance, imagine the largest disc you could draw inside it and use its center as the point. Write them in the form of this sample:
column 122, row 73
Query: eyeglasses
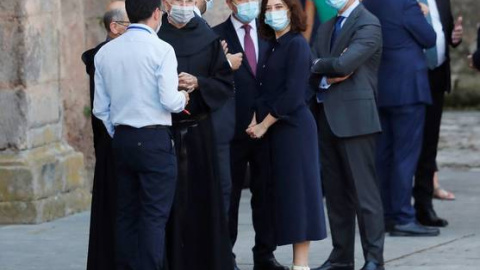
column 123, row 23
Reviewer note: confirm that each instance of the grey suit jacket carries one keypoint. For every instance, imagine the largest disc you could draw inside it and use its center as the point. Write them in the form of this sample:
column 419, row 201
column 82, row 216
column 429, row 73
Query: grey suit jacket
column 350, row 106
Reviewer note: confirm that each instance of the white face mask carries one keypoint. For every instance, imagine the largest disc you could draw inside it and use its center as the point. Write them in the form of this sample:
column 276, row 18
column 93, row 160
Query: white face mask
column 181, row 15
column 337, row 4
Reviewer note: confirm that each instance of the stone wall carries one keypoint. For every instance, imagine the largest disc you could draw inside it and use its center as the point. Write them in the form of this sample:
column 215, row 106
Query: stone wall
column 41, row 176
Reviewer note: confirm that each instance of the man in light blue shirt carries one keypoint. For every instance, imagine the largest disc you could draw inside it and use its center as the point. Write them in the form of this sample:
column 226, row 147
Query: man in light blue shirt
column 136, row 90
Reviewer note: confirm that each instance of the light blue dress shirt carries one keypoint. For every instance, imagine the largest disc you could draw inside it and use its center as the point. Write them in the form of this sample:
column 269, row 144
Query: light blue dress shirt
column 136, row 81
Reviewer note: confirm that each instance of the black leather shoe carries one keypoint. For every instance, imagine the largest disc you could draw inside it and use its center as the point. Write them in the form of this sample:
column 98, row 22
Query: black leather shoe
column 271, row 264
column 414, row 229
column 329, row 266
column 372, row 266
column 428, row 217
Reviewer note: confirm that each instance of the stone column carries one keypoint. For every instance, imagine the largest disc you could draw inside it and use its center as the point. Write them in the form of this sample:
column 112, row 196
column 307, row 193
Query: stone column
column 41, row 176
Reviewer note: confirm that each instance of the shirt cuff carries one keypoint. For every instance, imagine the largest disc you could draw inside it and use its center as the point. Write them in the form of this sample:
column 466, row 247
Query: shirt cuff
column 324, row 84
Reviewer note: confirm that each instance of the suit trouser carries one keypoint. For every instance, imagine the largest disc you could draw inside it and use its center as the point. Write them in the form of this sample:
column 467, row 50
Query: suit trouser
column 251, row 154
column 351, row 189
column 223, row 123
column 146, row 172
column 423, row 188
column 398, row 151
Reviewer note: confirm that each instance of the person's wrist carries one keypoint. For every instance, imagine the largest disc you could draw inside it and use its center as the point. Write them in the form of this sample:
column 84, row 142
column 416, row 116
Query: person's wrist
column 264, row 125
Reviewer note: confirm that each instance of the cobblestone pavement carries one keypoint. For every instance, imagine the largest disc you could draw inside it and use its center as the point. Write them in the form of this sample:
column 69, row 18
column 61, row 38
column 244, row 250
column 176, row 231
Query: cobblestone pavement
column 62, row 244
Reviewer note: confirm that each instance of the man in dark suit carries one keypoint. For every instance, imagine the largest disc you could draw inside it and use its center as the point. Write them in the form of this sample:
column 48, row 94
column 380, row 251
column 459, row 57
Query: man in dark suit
column 438, row 61
column 403, row 93
column 349, row 46
column 240, row 33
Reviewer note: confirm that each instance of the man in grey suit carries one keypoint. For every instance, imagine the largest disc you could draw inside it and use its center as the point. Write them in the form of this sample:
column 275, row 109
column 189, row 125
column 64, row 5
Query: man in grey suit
column 348, row 51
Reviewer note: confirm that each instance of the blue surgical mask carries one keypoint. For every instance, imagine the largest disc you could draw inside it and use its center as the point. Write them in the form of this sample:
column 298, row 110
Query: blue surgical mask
column 277, row 20
column 337, row 4
column 209, row 4
column 247, row 12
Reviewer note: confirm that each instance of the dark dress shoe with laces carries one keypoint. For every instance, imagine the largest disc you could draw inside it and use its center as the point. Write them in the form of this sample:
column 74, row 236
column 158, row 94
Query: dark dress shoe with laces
column 414, row 229
column 372, row 266
column 329, row 266
column 428, row 217
column 271, row 264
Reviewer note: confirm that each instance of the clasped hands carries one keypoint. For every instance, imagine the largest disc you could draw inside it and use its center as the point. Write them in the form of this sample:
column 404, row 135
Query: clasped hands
column 256, row 130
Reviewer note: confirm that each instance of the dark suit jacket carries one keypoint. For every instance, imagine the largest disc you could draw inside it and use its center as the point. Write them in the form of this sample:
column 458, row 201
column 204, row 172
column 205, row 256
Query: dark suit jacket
column 476, row 55
column 246, row 85
column 403, row 75
column 350, row 106
column 448, row 24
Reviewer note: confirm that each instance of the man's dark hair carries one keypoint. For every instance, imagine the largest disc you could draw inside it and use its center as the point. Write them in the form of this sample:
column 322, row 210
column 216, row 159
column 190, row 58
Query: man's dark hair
column 112, row 16
column 140, row 10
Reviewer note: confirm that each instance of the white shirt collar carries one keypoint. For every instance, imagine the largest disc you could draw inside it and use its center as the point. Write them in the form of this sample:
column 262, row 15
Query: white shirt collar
column 238, row 24
column 349, row 10
column 197, row 10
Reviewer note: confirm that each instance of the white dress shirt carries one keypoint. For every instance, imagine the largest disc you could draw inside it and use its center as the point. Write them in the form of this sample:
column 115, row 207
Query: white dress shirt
column 323, row 83
column 136, row 81
column 437, row 26
column 241, row 33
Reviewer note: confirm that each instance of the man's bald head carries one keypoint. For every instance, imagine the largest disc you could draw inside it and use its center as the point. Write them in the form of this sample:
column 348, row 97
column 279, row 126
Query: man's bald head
column 116, row 5
column 115, row 18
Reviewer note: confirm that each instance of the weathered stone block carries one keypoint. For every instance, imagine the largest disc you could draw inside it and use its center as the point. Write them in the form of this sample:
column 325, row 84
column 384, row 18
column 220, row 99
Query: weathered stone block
column 41, row 52
column 34, row 212
column 16, row 184
column 44, row 135
column 42, row 184
column 41, row 7
column 11, row 51
column 13, row 119
column 44, row 104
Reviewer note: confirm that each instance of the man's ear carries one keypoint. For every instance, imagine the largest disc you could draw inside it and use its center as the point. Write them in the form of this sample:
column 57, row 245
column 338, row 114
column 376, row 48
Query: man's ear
column 113, row 28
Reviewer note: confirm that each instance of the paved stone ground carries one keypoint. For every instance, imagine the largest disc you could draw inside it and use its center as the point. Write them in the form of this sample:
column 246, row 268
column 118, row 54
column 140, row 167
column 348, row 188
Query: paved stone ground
column 62, row 244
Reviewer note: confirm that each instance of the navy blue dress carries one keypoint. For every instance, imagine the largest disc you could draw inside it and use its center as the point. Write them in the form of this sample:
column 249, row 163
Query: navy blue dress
column 283, row 78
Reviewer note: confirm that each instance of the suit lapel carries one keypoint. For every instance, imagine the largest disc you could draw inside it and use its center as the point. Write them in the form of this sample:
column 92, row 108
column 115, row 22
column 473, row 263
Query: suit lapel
column 444, row 13
column 236, row 46
column 233, row 42
column 326, row 48
column 346, row 30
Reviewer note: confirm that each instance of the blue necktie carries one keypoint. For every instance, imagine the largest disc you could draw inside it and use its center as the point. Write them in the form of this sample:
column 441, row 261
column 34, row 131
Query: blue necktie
column 335, row 34
column 337, row 30
column 432, row 53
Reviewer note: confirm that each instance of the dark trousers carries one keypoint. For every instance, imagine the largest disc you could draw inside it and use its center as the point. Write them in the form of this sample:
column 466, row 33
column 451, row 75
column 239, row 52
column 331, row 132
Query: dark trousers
column 146, row 172
column 351, row 189
column 423, row 188
column 223, row 123
column 256, row 155
column 397, row 155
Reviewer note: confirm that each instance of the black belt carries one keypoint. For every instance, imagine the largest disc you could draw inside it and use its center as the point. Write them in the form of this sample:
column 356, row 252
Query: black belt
column 145, row 127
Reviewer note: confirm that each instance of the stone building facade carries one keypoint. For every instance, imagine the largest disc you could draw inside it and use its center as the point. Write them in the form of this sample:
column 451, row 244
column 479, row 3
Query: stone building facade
column 46, row 153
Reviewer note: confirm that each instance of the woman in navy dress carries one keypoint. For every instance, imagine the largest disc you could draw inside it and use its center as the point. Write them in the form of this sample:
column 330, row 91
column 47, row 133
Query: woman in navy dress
column 282, row 116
